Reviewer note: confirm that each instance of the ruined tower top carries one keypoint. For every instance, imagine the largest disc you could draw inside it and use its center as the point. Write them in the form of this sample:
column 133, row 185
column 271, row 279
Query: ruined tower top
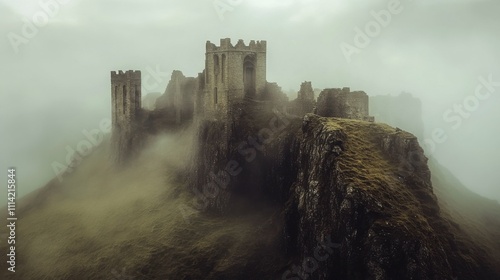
column 124, row 76
column 306, row 91
column 225, row 45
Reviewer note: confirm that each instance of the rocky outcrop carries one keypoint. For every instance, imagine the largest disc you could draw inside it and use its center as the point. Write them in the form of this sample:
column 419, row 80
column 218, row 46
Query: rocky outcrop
column 356, row 199
column 323, row 198
column 366, row 187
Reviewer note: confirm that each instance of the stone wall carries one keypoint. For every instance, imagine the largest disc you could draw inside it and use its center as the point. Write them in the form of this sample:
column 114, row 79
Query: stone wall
column 179, row 96
column 225, row 75
column 126, row 110
column 306, row 92
column 305, row 101
column 342, row 103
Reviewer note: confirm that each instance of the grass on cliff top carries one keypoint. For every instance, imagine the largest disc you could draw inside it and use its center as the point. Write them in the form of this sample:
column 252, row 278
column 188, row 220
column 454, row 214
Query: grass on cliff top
column 403, row 203
column 369, row 171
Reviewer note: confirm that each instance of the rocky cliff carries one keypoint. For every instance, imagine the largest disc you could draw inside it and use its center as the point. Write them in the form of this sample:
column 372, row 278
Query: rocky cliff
column 367, row 188
column 281, row 198
column 363, row 188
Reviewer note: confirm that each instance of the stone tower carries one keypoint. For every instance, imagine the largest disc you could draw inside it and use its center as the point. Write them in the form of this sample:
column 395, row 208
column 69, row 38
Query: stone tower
column 126, row 106
column 232, row 73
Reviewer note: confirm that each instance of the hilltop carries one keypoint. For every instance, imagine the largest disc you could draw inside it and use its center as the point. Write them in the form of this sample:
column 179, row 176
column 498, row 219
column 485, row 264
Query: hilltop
column 346, row 181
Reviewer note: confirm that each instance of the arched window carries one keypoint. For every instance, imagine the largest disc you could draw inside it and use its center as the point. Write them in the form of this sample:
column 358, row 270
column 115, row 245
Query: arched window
column 249, row 75
column 207, row 81
column 216, row 66
column 223, row 67
column 137, row 97
column 115, row 102
column 215, row 96
column 124, row 98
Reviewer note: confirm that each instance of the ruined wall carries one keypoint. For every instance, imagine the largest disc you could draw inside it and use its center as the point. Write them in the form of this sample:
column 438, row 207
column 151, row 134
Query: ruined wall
column 179, row 97
column 306, row 91
column 275, row 94
column 342, row 103
column 305, row 101
column 126, row 110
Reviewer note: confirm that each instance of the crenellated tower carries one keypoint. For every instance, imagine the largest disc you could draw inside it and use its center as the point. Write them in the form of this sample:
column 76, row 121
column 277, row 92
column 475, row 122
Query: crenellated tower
column 126, row 106
column 232, row 73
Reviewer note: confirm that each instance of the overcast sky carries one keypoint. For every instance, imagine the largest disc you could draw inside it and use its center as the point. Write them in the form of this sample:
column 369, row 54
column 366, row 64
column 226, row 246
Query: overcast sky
column 55, row 79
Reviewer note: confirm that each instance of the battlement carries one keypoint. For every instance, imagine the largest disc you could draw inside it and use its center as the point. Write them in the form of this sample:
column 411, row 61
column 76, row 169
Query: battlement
column 225, row 45
column 128, row 75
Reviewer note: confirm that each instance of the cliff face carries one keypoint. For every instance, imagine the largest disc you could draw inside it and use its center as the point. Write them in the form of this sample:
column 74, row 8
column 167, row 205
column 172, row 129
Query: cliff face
column 357, row 203
column 301, row 198
column 367, row 188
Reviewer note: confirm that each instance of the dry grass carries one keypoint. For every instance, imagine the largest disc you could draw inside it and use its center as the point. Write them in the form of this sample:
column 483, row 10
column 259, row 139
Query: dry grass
column 413, row 209
column 368, row 170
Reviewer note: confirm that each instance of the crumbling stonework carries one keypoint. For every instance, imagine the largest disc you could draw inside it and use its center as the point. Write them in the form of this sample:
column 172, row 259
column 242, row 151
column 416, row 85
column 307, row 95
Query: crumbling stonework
column 231, row 74
column 305, row 101
column 342, row 103
column 306, row 92
column 126, row 107
column 247, row 149
column 232, row 84
column 179, row 96
column 275, row 94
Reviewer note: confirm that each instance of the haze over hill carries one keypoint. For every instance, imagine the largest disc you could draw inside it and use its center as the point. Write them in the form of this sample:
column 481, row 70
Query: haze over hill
column 374, row 205
column 57, row 84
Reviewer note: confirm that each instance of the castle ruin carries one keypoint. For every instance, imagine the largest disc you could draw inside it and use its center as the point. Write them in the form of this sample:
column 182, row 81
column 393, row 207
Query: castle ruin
column 234, row 77
column 305, row 101
column 342, row 103
column 232, row 73
column 125, row 110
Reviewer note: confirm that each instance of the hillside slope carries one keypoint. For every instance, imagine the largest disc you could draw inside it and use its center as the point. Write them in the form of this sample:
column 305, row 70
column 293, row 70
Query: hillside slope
column 368, row 187
column 337, row 199
column 137, row 223
column 478, row 216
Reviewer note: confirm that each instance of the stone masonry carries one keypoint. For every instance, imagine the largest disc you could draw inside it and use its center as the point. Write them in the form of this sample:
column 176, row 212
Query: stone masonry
column 232, row 73
column 126, row 106
column 342, row 103
column 234, row 80
column 305, row 101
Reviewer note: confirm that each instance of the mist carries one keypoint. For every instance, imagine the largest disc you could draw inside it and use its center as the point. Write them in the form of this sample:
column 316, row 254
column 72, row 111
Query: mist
column 57, row 84
column 138, row 211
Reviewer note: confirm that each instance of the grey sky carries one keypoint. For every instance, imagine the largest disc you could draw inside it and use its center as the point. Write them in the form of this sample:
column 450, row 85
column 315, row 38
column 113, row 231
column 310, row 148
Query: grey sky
column 58, row 83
